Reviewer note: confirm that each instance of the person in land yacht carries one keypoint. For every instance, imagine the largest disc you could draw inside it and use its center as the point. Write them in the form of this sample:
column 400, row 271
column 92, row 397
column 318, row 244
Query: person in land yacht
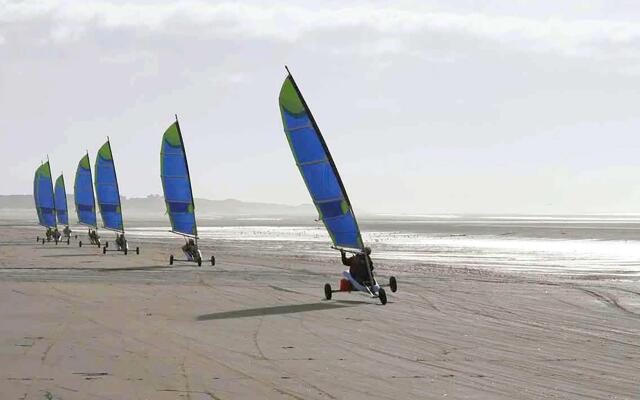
column 94, row 237
column 121, row 242
column 358, row 265
column 190, row 249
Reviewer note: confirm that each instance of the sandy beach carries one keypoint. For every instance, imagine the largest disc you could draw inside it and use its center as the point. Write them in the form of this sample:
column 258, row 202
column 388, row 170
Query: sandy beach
column 77, row 324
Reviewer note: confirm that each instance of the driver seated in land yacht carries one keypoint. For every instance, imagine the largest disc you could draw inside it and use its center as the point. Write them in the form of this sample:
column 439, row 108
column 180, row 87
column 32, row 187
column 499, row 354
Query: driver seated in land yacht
column 358, row 265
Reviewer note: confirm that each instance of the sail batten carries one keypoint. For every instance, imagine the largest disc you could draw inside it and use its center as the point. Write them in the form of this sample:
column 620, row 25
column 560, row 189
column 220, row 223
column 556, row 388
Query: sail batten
column 318, row 170
column 61, row 201
column 176, row 183
column 107, row 191
column 83, row 195
column 43, row 194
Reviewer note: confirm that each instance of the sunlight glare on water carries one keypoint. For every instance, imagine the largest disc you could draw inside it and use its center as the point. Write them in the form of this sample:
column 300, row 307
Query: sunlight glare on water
column 495, row 252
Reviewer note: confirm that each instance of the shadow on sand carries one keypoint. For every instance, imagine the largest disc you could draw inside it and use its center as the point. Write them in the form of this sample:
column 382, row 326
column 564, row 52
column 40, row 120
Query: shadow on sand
column 352, row 302
column 147, row 268
column 70, row 255
column 19, row 244
column 275, row 310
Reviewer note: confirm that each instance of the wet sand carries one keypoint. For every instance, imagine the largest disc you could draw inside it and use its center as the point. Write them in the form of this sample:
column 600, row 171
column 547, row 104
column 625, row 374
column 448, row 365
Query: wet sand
column 77, row 324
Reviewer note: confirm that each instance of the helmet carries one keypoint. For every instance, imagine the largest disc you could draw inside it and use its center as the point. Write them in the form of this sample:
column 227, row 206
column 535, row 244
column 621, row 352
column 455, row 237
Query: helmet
column 191, row 242
column 367, row 250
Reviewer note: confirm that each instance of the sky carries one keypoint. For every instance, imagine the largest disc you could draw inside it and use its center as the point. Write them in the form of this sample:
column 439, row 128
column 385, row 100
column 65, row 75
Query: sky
column 432, row 106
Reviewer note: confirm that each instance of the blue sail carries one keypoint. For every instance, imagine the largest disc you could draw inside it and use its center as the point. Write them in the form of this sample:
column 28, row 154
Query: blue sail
column 83, row 194
column 176, row 182
column 107, row 190
column 61, row 201
column 44, row 197
column 318, row 170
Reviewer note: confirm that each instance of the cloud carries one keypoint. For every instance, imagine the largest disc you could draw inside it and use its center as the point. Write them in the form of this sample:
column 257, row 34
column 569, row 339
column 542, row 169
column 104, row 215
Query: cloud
column 286, row 22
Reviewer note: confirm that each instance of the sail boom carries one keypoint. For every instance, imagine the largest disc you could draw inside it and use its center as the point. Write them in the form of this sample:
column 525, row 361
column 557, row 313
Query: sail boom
column 348, row 249
column 184, row 234
column 113, row 229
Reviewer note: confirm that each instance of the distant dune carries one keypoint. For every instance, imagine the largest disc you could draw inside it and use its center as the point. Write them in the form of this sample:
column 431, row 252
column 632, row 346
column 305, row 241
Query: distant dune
column 152, row 207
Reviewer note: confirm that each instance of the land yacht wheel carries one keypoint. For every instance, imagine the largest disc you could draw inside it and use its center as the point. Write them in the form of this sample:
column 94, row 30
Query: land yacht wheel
column 327, row 291
column 382, row 295
column 393, row 284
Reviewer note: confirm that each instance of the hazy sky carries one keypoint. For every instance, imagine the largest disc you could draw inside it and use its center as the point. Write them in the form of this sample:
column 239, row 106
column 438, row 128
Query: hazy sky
column 427, row 106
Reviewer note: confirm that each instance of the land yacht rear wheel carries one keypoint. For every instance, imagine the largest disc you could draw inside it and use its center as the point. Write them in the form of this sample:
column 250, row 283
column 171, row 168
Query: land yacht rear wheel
column 327, row 291
column 393, row 284
column 382, row 295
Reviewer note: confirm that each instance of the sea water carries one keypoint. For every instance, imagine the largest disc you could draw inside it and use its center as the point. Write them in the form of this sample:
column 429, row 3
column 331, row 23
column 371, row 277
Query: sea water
column 600, row 245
